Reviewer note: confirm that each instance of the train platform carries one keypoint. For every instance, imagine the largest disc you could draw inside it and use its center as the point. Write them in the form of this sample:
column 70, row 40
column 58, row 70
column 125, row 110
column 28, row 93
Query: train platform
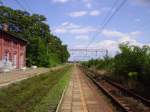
column 82, row 96
column 18, row 75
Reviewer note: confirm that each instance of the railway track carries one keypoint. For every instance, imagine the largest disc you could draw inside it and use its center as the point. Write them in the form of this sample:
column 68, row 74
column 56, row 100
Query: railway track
column 121, row 97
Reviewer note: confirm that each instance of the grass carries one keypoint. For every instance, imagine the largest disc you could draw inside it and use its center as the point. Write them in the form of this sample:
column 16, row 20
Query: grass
column 37, row 94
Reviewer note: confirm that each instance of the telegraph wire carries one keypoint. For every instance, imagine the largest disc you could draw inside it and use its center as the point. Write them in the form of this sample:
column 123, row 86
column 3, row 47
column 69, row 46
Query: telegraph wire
column 107, row 16
column 108, row 20
column 116, row 10
column 27, row 5
column 111, row 10
column 20, row 4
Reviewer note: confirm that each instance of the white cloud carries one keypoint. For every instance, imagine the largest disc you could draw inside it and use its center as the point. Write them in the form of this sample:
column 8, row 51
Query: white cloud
column 105, row 44
column 86, row 0
column 112, row 45
column 82, row 33
column 142, row 2
column 126, row 39
column 82, row 37
column 65, row 23
column 137, row 20
column 88, row 5
column 94, row 13
column 69, row 25
column 85, row 13
column 112, row 33
column 60, row 30
column 71, row 28
column 61, row 1
column 83, row 30
column 106, row 9
column 135, row 34
column 65, row 27
column 78, row 13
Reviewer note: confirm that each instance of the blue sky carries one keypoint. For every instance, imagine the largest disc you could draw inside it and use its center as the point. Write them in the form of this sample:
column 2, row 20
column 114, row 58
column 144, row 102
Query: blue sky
column 76, row 22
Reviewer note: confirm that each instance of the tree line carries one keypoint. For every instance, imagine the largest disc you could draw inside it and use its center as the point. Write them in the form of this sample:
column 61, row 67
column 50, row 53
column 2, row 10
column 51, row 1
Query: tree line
column 131, row 67
column 44, row 48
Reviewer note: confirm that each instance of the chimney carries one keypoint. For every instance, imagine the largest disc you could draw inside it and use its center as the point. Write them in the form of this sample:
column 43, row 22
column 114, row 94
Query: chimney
column 5, row 27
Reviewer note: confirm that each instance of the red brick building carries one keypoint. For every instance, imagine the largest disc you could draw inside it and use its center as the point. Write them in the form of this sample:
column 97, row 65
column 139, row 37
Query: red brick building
column 12, row 50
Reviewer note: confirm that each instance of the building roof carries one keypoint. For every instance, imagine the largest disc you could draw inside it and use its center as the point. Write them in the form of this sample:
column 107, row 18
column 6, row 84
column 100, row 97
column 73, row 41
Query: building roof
column 14, row 36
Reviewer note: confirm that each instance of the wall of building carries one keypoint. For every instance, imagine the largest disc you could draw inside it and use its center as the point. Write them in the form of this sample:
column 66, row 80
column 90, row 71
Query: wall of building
column 12, row 51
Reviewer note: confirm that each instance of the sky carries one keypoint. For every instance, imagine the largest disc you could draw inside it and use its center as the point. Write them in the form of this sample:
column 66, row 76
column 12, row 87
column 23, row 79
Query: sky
column 78, row 23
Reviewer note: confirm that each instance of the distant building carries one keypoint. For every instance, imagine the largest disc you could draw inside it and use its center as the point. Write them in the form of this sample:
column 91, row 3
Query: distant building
column 12, row 51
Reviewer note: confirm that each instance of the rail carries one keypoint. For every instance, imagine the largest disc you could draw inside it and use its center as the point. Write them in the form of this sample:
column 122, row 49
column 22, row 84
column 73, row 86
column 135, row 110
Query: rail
column 120, row 101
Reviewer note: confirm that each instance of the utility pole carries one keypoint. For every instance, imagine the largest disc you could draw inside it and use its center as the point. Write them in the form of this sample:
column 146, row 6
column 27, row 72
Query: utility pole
column 86, row 52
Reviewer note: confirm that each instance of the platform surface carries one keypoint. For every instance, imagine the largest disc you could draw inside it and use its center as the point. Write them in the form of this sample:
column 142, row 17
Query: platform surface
column 82, row 96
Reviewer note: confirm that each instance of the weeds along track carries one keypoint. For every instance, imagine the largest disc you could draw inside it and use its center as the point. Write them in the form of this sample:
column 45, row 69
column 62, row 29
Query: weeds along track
column 123, row 99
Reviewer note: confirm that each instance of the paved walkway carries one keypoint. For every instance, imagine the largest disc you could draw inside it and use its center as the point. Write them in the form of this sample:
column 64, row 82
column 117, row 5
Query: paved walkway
column 82, row 96
column 18, row 75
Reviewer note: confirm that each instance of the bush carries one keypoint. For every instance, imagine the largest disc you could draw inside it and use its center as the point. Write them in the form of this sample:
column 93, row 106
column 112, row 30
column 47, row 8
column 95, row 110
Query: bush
column 131, row 65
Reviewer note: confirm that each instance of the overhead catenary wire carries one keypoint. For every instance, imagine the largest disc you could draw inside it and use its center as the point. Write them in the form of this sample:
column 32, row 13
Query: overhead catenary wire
column 107, row 16
column 27, row 5
column 108, row 19
column 22, row 6
column 111, row 10
column 116, row 10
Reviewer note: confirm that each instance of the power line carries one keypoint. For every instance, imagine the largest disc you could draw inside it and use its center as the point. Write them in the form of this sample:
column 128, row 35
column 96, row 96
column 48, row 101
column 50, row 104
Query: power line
column 116, row 10
column 22, row 6
column 18, row 2
column 109, row 19
column 27, row 5
column 107, row 16
column 112, row 8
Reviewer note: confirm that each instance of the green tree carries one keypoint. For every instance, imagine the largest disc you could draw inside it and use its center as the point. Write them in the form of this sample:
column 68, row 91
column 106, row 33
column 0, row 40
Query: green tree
column 44, row 49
